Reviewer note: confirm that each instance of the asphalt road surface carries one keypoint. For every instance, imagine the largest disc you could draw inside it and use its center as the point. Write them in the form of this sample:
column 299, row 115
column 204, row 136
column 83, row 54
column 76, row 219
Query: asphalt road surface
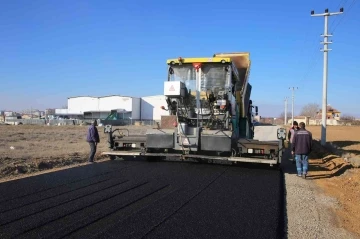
column 139, row 199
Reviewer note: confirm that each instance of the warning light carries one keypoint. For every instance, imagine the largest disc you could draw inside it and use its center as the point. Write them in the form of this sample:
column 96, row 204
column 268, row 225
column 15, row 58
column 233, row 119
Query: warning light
column 180, row 60
column 175, row 124
column 162, row 107
column 197, row 66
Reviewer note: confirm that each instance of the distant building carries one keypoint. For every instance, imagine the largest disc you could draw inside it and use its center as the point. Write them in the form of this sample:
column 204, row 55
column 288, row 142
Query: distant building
column 10, row 113
column 31, row 112
column 271, row 120
column 27, row 116
column 333, row 117
column 50, row 111
column 89, row 107
column 331, row 113
column 150, row 108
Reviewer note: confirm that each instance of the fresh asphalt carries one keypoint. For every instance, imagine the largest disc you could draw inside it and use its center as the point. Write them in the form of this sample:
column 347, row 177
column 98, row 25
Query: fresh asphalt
column 140, row 199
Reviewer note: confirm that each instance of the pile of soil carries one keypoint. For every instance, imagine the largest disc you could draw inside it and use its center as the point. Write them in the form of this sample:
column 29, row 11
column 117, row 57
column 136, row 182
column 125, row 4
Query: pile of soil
column 337, row 177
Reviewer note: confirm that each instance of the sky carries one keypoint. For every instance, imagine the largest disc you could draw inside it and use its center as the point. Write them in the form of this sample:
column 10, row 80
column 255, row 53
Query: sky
column 51, row 50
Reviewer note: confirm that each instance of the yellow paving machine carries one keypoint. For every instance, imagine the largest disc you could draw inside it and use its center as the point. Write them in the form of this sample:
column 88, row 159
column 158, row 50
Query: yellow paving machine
column 210, row 117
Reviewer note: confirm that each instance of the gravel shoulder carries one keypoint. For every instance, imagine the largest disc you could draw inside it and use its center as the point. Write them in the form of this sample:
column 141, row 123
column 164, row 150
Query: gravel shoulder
column 309, row 213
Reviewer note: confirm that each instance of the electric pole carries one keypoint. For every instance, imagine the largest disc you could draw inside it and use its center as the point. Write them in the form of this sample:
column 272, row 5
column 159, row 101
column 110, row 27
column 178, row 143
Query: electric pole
column 292, row 105
column 325, row 70
column 286, row 104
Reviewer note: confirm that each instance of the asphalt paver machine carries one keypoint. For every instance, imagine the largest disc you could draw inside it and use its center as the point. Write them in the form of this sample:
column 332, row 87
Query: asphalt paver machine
column 210, row 117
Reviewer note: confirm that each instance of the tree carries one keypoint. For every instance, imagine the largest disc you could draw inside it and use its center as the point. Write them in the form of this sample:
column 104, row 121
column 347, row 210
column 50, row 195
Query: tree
column 282, row 115
column 310, row 109
column 348, row 117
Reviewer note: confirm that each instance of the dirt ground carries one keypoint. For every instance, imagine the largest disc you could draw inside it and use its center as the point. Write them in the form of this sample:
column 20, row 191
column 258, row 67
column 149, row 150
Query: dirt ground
column 337, row 177
column 29, row 149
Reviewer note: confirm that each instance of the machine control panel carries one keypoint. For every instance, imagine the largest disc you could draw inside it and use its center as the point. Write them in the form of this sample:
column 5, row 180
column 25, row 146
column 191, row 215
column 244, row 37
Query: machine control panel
column 281, row 133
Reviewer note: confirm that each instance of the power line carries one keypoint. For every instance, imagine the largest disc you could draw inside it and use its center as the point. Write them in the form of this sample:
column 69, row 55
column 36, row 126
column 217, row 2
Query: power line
column 307, row 34
column 342, row 18
column 304, row 43
column 312, row 63
column 314, row 60
column 341, row 3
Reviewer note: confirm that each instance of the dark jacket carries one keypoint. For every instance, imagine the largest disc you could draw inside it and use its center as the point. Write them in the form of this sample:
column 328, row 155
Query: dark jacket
column 92, row 135
column 302, row 142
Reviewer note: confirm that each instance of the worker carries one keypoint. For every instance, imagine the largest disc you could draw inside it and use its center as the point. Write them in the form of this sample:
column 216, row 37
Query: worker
column 93, row 139
column 301, row 148
column 291, row 133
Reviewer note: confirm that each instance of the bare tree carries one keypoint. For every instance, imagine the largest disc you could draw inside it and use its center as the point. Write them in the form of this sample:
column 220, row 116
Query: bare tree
column 282, row 115
column 310, row 109
column 347, row 117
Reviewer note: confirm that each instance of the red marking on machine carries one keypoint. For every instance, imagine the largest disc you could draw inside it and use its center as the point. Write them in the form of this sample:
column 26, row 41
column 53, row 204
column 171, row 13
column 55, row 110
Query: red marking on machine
column 172, row 88
column 197, row 66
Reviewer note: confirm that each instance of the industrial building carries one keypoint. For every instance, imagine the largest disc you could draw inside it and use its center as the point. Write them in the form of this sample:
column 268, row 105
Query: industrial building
column 89, row 107
column 151, row 107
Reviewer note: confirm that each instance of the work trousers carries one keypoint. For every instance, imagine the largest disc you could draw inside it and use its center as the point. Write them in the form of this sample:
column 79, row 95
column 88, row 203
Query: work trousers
column 292, row 156
column 302, row 163
column 92, row 151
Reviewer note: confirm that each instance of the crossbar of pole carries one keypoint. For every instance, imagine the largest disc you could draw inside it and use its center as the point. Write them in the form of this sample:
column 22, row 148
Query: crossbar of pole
column 326, row 35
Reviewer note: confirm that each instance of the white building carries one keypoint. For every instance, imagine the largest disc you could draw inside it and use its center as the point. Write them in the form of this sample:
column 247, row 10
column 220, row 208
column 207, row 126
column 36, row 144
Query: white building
column 151, row 107
column 88, row 107
column 10, row 113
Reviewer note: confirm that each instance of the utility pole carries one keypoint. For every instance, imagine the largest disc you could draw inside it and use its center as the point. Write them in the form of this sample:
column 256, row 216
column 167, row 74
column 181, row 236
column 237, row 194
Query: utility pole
column 292, row 105
column 325, row 70
column 286, row 104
